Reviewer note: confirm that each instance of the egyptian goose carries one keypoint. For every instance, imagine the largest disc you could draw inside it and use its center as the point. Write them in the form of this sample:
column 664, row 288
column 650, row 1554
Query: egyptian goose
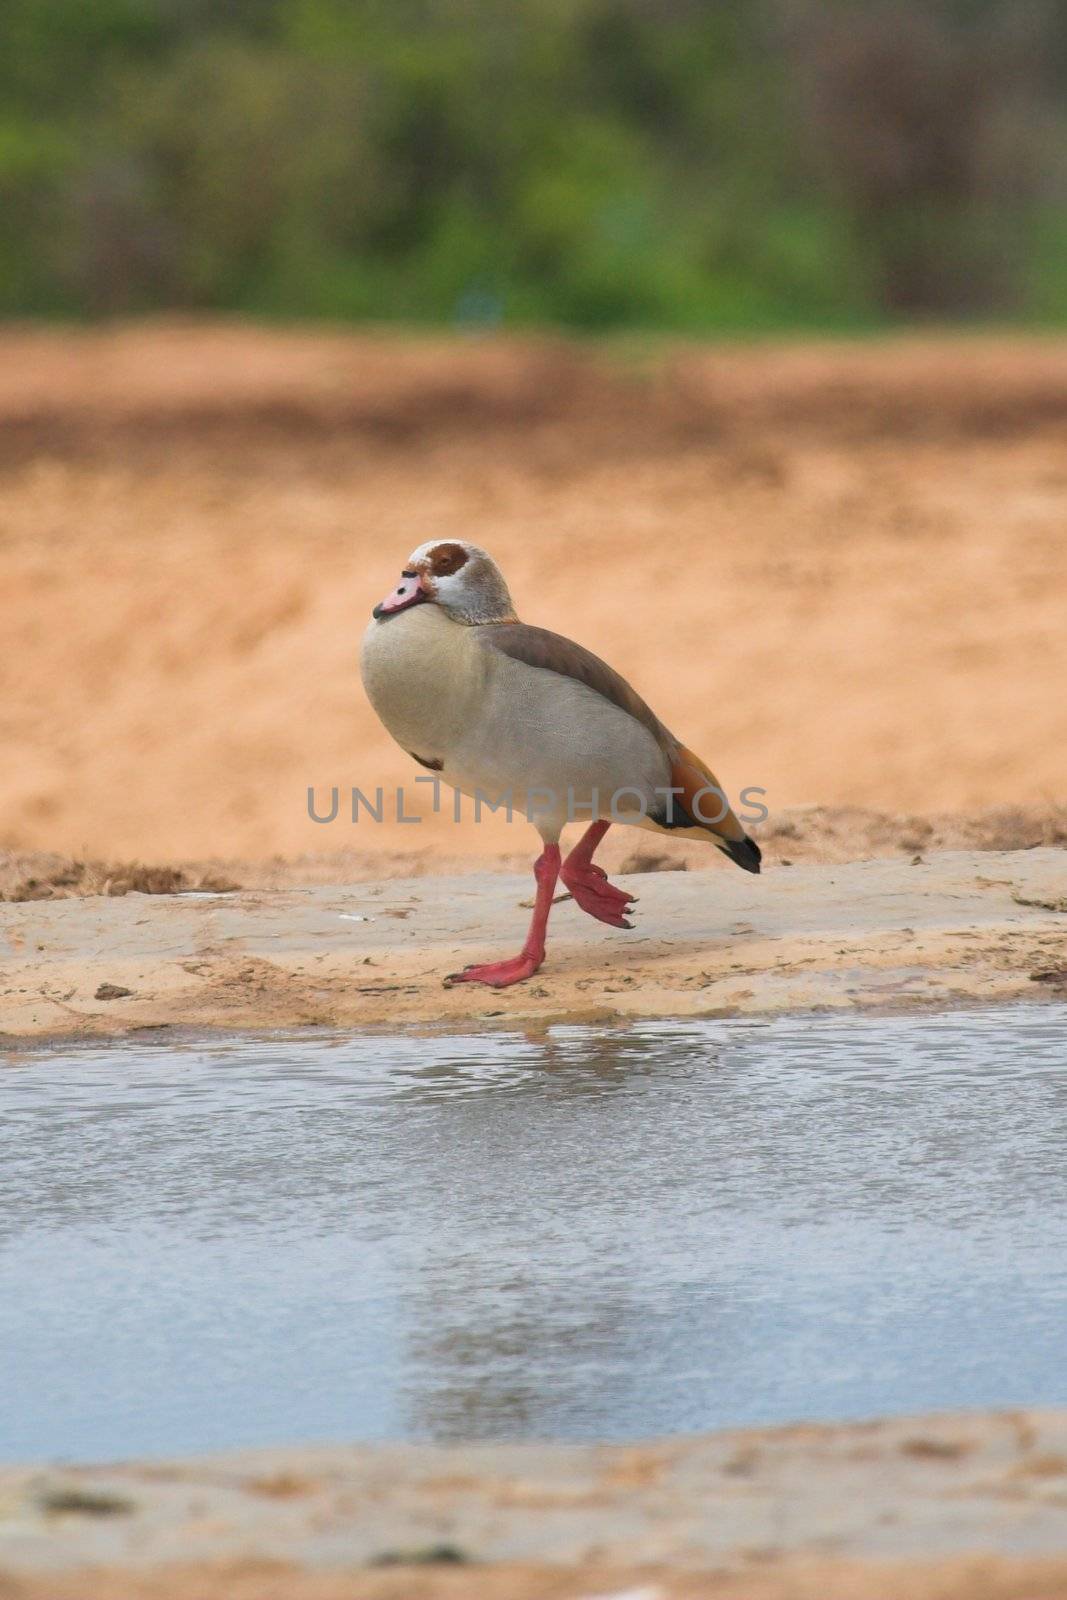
column 517, row 716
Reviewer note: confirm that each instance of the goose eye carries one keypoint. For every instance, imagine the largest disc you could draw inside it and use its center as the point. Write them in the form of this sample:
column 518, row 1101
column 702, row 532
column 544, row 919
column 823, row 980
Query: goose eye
column 447, row 559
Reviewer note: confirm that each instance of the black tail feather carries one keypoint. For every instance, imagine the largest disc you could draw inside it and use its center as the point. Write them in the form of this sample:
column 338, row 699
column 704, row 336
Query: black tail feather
column 746, row 852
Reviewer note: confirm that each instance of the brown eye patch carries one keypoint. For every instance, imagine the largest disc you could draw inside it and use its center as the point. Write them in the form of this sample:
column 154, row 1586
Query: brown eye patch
column 446, row 559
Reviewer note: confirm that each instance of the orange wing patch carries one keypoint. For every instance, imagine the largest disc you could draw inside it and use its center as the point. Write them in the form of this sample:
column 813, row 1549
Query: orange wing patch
column 703, row 795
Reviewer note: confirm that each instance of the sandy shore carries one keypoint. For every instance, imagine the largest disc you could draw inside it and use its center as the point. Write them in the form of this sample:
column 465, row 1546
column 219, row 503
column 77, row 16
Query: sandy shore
column 836, row 570
column 954, row 926
column 967, row 1507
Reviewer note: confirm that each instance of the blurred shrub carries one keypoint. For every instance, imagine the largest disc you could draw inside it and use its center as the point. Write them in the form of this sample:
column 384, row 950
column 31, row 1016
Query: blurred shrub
column 596, row 162
column 930, row 128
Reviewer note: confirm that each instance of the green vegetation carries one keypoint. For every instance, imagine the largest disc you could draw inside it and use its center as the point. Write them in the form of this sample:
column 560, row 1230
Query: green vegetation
column 688, row 164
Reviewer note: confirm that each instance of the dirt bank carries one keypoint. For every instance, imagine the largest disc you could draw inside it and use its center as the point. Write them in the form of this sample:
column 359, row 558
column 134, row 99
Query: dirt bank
column 830, row 834
column 932, row 930
column 927, row 1508
column 974, row 1577
column 838, row 571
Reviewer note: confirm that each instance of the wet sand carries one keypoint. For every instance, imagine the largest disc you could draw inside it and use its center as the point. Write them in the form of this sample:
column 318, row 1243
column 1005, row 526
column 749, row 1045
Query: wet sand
column 953, row 927
column 957, row 1508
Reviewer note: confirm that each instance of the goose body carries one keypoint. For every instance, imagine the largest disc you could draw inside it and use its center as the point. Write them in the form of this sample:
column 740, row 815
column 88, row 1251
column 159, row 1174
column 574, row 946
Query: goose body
column 528, row 721
column 503, row 730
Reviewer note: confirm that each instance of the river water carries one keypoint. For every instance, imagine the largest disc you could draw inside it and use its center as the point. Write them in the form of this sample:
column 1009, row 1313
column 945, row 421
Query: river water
column 580, row 1233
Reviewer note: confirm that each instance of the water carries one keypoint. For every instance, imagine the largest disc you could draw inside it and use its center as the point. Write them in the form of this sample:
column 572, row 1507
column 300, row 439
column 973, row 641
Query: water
column 588, row 1234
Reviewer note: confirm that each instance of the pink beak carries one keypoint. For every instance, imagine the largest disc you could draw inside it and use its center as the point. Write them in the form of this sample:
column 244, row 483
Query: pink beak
column 408, row 592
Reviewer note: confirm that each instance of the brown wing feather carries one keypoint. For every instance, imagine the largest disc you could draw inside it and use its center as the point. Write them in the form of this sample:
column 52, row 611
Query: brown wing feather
column 537, row 647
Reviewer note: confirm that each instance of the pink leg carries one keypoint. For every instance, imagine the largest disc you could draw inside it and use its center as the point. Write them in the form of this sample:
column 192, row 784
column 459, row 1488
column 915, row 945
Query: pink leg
column 589, row 884
column 499, row 974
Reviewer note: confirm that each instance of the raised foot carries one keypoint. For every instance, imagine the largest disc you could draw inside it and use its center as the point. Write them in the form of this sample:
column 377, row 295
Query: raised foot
column 591, row 890
column 497, row 974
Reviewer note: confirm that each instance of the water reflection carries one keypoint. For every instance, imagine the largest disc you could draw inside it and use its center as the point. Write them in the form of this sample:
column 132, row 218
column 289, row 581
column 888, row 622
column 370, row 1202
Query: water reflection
column 580, row 1233
column 483, row 1330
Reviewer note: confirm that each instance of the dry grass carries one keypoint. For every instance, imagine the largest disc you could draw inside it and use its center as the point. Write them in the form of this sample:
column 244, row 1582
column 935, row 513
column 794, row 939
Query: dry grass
column 46, row 876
